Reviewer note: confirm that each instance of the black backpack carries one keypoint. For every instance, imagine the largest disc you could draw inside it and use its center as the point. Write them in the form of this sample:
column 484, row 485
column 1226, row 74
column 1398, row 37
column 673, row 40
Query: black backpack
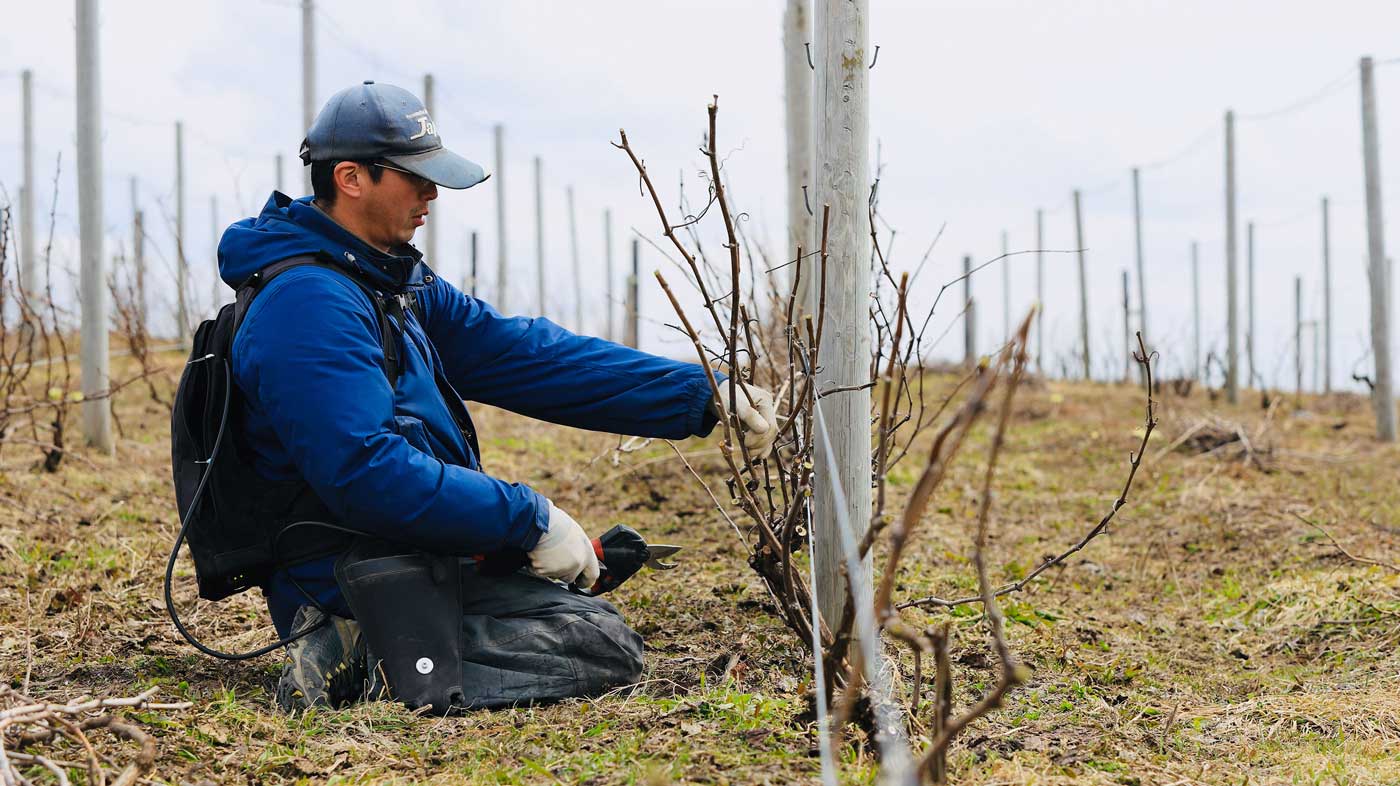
column 242, row 527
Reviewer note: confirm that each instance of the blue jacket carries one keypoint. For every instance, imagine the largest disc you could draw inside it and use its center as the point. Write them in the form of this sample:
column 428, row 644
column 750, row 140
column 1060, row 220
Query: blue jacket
column 392, row 461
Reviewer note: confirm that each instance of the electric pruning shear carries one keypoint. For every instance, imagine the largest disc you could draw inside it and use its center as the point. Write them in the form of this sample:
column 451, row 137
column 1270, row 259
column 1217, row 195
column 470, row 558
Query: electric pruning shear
column 621, row 552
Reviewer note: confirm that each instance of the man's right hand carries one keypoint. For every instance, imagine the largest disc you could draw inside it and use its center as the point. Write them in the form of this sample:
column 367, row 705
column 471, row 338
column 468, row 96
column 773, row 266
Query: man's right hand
column 565, row 552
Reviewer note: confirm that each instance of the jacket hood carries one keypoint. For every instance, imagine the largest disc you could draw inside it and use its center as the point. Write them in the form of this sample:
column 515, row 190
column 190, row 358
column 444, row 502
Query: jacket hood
column 290, row 228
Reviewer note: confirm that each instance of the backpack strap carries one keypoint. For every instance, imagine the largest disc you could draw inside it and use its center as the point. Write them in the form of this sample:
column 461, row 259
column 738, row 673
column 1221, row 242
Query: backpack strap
column 388, row 338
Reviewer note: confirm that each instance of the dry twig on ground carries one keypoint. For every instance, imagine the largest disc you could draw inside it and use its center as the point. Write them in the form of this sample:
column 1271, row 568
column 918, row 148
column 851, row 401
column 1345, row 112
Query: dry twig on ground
column 26, row 722
column 1380, row 563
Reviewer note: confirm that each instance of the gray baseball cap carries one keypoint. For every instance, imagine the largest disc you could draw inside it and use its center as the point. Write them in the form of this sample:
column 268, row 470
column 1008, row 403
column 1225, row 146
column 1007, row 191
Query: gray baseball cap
column 371, row 121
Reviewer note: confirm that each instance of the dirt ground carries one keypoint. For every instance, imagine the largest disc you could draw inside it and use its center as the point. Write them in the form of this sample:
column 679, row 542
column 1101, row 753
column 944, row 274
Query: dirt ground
column 1212, row 636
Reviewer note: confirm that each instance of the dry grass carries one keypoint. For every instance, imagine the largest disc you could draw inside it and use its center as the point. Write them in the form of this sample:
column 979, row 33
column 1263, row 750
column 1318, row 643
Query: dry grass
column 1211, row 637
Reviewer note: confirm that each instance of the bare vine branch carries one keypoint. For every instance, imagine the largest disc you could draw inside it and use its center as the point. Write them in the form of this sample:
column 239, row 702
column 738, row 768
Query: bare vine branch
column 1134, row 462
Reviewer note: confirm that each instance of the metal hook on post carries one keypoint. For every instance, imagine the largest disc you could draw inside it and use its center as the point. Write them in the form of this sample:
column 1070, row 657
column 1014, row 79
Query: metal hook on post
column 806, row 202
column 808, row 46
column 876, row 58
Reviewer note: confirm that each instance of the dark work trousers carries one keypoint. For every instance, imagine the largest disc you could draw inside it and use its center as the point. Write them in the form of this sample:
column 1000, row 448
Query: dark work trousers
column 527, row 639
column 522, row 639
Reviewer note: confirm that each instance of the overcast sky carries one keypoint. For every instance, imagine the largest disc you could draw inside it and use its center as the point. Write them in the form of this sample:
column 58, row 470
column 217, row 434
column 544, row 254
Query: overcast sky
column 983, row 112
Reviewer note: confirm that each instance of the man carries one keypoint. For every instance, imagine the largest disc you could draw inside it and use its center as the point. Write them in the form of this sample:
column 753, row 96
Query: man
column 398, row 460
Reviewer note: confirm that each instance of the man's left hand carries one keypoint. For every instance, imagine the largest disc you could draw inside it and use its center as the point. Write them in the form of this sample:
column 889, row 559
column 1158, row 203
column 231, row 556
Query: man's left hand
column 758, row 420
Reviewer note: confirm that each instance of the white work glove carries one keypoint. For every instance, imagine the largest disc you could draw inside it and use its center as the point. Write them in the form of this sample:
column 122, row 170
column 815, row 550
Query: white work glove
column 565, row 552
column 758, row 420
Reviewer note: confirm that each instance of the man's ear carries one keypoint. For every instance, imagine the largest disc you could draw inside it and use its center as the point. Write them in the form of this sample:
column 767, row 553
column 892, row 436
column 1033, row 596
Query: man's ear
column 347, row 179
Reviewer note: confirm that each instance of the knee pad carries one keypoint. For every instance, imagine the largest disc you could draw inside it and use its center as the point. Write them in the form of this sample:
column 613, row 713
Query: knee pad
column 410, row 610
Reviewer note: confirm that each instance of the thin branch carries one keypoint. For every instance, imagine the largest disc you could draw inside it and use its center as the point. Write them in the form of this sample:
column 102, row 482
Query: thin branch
column 1012, row 672
column 1380, row 563
column 711, row 494
column 1134, row 461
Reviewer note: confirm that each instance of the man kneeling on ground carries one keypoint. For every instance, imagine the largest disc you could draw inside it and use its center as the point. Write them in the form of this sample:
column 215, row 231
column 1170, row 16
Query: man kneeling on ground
column 396, row 461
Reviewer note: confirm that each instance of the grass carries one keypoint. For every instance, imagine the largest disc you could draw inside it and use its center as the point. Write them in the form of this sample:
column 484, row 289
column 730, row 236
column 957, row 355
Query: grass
column 1211, row 637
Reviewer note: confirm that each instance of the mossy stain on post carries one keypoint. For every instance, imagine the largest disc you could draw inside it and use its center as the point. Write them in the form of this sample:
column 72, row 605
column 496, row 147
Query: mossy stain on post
column 853, row 61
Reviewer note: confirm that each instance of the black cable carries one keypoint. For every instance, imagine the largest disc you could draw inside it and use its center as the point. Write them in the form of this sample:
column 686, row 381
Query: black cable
column 323, row 525
column 180, row 538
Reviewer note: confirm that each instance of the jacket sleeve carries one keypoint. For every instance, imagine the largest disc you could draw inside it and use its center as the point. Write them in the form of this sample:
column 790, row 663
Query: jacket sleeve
column 321, row 387
column 536, row 368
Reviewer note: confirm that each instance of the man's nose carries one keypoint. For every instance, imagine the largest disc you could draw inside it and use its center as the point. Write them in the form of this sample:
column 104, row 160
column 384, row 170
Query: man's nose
column 430, row 193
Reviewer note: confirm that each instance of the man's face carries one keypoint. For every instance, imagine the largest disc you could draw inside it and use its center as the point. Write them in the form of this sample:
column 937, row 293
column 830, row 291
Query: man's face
column 391, row 210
